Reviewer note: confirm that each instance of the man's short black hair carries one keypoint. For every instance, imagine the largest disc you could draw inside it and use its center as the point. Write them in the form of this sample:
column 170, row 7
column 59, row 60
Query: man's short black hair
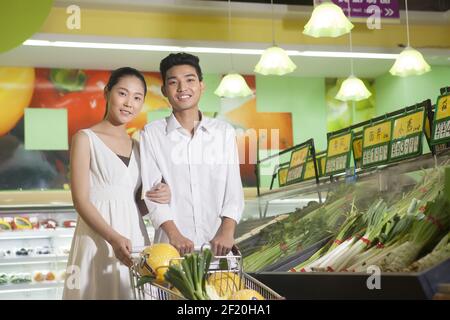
column 178, row 59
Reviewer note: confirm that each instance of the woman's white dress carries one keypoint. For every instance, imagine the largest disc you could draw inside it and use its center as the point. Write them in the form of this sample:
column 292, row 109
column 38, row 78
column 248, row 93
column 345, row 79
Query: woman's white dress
column 93, row 272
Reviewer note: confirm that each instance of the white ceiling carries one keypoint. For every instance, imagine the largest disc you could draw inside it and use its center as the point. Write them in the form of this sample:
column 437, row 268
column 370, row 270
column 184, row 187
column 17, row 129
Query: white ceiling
column 211, row 63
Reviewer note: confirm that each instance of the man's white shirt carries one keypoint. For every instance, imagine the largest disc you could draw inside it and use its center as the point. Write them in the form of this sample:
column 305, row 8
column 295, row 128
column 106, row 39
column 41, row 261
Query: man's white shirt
column 202, row 171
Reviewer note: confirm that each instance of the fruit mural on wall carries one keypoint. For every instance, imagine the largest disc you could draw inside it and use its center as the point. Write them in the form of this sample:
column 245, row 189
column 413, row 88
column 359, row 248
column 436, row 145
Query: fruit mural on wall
column 81, row 92
column 16, row 89
column 242, row 113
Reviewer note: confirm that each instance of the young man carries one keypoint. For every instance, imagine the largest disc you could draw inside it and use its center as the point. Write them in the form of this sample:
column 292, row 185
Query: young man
column 197, row 157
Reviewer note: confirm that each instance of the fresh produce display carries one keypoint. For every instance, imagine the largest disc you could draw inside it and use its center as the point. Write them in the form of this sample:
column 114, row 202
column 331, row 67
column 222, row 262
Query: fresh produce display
column 155, row 259
column 301, row 229
column 390, row 236
column 440, row 253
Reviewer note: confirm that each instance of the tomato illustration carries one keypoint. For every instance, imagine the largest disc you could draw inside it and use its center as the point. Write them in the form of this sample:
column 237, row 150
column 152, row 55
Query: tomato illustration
column 16, row 89
column 78, row 91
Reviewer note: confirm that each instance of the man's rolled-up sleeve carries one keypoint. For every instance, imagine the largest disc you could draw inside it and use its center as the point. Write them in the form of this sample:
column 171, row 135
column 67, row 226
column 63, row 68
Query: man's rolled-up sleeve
column 151, row 176
column 233, row 205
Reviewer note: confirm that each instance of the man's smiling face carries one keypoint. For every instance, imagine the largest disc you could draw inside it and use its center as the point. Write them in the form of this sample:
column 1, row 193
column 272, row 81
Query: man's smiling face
column 182, row 87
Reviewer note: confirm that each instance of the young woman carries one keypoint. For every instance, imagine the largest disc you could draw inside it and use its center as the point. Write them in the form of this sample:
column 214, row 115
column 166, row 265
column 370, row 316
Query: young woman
column 105, row 182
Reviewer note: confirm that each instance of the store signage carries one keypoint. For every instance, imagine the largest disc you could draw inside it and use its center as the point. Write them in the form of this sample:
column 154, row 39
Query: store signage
column 357, row 150
column 388, row 9
column 407, row 135
column 338, row 153
column 322, row 162
column 310, row 172
column 297, row 164
column 376, row 143
column 441, row 123
column 282, row 176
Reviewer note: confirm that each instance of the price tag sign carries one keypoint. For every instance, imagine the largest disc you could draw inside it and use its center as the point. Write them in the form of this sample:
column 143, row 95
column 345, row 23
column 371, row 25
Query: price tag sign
column 407, row 135
column 282, row 176
column 309, row 170
column 441, row 124
column 376, row 142
column 297, row 164
column 357, row 148
column 338, row 153
column 322, row 162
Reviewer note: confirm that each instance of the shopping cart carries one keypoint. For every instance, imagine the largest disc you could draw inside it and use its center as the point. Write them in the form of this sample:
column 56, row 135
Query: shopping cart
column 223, row 268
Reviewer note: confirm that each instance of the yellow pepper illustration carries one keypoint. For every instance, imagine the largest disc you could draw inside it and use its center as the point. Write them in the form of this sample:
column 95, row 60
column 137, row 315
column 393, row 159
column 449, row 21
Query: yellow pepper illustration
column 16, row 90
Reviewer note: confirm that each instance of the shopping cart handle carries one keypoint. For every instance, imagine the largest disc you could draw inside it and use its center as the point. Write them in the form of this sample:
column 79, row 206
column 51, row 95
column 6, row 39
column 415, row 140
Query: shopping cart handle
column 235, row 250
column 138, row 249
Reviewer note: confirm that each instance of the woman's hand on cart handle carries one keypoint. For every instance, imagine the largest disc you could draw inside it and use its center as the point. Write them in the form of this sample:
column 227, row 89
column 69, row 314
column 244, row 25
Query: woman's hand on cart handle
column 122, row 249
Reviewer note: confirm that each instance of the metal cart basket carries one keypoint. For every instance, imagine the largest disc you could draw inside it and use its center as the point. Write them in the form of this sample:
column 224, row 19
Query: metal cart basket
column 224, row 268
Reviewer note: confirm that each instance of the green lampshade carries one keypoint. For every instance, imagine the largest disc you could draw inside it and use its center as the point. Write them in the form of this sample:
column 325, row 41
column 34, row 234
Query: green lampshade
column 275, row 61
column 409, row 62
column 327, row 20
column 233, row 85
column 353, row 89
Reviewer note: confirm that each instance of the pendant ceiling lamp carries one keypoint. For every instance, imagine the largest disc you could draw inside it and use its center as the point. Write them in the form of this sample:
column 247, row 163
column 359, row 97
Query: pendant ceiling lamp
column 410, row 61
column 327, row 20
column 274, row 60
column 233, row 85
column 352, row 89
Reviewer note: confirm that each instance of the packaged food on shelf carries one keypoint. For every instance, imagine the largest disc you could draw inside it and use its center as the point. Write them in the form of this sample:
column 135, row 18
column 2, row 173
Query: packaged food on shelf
column 39, row 276
column 4, row 225
column 21, row 223
column 20, row 278
column 43, row 251
column 61, row 275
column 70, row 224
column 50, row 276
column 24, row 252
column 48, row 224
column 34, row 222
column 63, row 250
column 3, row 278
column 5, row 253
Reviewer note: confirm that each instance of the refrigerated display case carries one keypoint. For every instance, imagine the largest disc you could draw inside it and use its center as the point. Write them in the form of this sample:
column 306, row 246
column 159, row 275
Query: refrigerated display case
column 273, row 251
column 35, row 240
column 34, row 247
